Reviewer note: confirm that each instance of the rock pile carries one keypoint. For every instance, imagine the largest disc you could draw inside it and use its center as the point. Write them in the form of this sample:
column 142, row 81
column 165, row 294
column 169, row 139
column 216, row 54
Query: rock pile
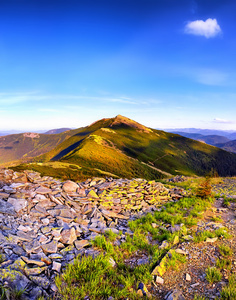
column 46, row 223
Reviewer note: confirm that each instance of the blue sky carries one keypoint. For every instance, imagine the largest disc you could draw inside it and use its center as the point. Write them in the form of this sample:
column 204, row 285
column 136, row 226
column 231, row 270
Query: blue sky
column 163, row 63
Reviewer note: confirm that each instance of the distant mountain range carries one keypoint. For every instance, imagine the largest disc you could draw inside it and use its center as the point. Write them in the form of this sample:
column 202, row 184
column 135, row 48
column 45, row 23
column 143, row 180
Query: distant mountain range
column 230, row 134
column 118, row 147
column 56, row 131
column 52, row 131
column 226, row 140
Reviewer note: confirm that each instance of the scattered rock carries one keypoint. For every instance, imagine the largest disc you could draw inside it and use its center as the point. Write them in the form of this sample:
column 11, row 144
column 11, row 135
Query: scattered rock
column 175, row 295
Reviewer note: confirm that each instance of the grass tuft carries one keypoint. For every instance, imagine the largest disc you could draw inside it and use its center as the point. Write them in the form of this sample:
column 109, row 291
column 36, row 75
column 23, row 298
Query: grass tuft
column 213, row 275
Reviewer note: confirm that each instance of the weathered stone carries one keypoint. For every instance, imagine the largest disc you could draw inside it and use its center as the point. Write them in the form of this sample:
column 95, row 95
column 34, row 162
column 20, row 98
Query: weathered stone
column 180, row 251
column 68, row 236
column 18, row 264
column 4, row 195
column 159, row 280
column 40, row 281
column 32, row 247
column 34, row 271
column 43, row 190
column 25, row 236
column 18, row 204
column 50, row 247
column 70, row 186
column 7, row 208
column 211, row 240
column 15, row 279
column 81, row 244
column 175, row 295
column 111, row 214
column 32, row 261
column 188, row 277
column 56, row 266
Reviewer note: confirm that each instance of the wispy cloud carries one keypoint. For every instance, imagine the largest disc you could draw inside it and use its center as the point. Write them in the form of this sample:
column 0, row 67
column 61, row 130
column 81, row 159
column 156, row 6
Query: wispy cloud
column 211, row 77
column 223, row 121
column 14, row 98
column 51, row 110
column 21, row 97
column 209, row 28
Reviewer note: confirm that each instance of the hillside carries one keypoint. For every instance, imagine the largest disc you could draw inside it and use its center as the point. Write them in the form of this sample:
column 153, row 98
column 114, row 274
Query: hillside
column 124, row 148
column 27, row 145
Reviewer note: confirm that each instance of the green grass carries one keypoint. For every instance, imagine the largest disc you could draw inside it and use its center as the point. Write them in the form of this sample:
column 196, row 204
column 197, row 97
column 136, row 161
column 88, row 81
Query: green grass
column 97, row 279
column 223, row 263
column 229, row 292
column 175, row 261
column 216, row 219
column 1, row 258
column 198, row 297
column 213, row 275
column 225, row 250
column 7, row 293
column 203, row 235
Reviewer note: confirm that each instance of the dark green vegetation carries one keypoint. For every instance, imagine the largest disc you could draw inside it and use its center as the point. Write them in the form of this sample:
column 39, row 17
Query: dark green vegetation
column 125, row 148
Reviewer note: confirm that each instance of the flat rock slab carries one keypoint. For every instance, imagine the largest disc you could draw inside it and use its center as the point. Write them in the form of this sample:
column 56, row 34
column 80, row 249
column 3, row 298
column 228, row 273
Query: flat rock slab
column 112, row 214
column 50, row 247
column 43, row 190
column 81, row 244
column 18, row 204
column 7, row 208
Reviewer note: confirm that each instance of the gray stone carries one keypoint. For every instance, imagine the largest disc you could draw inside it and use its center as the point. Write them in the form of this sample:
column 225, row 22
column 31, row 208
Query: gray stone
column 18, row 204
column 42, row 282
column 175, row 295
column 7, row 208
column 50, row 247
column 56, row 266
column 15, row 279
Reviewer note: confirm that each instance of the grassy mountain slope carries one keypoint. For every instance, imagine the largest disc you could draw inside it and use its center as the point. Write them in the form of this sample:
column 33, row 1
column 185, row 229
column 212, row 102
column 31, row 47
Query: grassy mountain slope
column 125, row 148
column 26, row 145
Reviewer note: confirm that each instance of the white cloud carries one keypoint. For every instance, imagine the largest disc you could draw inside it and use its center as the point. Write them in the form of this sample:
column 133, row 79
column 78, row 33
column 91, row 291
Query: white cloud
column 209, row 28
column 222, row 121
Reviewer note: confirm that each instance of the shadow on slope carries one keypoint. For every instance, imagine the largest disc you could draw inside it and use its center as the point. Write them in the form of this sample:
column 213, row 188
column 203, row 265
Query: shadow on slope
column 67, row 150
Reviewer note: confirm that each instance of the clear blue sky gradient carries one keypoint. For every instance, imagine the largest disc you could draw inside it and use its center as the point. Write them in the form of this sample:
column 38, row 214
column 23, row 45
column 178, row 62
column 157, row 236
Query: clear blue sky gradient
column 68, row 63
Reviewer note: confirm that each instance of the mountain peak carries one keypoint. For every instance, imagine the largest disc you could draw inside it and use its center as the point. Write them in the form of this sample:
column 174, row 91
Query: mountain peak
column 120, row 120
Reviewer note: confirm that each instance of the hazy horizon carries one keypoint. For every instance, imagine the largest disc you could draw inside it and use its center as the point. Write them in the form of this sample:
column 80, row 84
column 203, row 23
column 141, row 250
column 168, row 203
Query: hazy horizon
column 165, row 64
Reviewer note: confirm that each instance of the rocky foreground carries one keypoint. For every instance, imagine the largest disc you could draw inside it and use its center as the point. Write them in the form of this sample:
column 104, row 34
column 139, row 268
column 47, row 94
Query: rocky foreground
column 46, row 223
